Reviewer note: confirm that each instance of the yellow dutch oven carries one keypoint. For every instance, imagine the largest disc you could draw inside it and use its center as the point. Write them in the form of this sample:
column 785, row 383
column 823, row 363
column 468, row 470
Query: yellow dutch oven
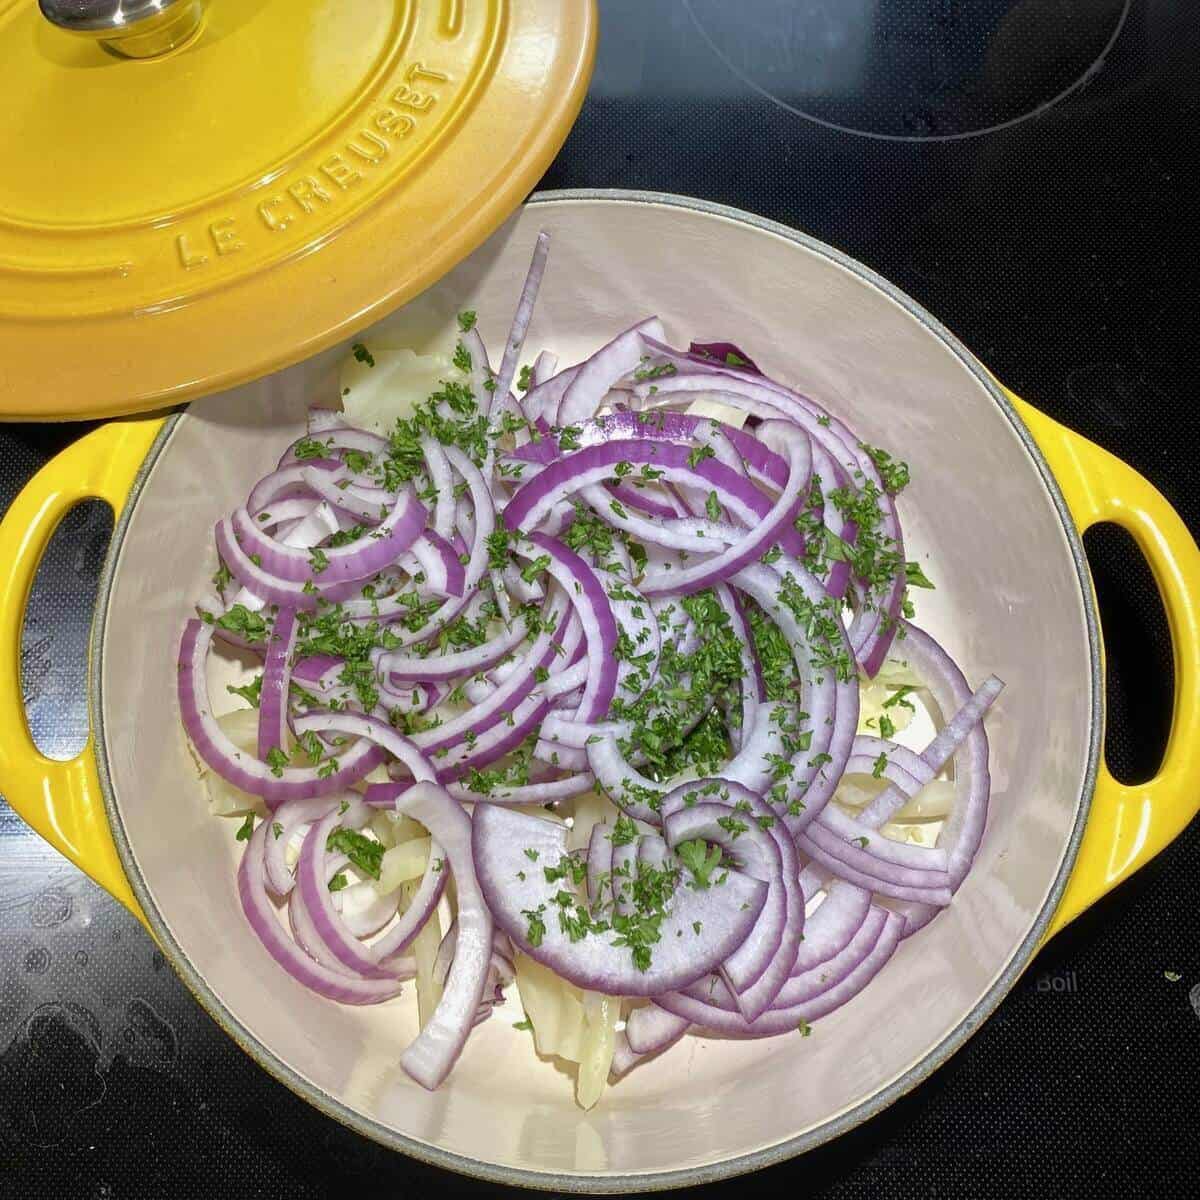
column 1000, row 495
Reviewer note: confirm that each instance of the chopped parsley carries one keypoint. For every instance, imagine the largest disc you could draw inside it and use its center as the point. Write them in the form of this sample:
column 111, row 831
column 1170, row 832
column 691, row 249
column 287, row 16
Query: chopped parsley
column 250, row 692
column 915, row 576
column 249, row 625
column 536, row 929
column 466, row 320
column 733, row 826
column 364, row 852
column 644, row 373
column 624, row 831
column 343, row 537
column 362, row 354
column 308, row 448
column 893, row 472
column 276, row 760
column 701, row 860
column 899, row 696
column 246, row 828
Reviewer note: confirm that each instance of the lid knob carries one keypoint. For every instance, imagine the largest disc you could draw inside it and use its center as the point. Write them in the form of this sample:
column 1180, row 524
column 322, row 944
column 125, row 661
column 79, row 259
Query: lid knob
column 133, row 28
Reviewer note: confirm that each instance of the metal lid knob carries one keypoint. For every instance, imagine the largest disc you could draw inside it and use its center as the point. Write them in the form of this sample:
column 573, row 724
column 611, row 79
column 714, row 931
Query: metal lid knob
column 134, row 28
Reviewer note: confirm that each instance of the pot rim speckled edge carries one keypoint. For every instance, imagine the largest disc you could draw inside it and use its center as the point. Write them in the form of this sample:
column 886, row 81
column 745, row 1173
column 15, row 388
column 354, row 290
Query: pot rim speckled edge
column 689, row 1176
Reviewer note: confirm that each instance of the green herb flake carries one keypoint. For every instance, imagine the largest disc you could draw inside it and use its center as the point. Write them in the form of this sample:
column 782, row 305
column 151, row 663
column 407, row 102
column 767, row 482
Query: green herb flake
column 250, row 692
column 249, row 625
column 625, row 831
column 915, row 576
column 536, row 930
column 701, row 860
column 364, row 852
column 246, row 828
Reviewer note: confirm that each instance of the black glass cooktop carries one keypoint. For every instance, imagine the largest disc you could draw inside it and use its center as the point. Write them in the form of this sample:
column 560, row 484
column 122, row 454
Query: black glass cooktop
column 1023, row 168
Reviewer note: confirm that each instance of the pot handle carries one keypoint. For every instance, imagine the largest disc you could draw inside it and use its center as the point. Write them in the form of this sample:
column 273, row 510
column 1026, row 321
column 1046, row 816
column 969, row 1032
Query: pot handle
column 61, row 800
column 1129, row 825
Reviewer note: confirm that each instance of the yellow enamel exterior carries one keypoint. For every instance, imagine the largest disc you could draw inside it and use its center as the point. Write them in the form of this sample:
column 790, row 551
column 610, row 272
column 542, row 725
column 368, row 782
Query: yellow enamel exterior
column 314, row 163
column 1127, row 825
column 62, row 800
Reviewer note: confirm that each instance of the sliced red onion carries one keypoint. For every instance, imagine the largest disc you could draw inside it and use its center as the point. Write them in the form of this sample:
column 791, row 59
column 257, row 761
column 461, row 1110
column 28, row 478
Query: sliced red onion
column 261, row 915
column 271, row 589
column 339, row 491
column 312, row 882
column 286, row 819
column 622, row 873
column 458, row 662
column 807, row 985
column 366, row 556
column 286, row 484
column 829, row 930
column 438, row 560
column 340, row 438
column 597, row 374
column 725, row 353
column 593, row 464
column 546, row 791
column 831, row 693
column 855, row 866
column 273, row 696
column 599, row 865
column 786, row 1020
column 737, row 819
column 274, row 785
column 726, row 914
column 938, row 752
column 651, row 1030
column 757, row 852
column 436, row 1048
column 475, row 723
column 542, row 400
column 875, row 628
column 719, row 499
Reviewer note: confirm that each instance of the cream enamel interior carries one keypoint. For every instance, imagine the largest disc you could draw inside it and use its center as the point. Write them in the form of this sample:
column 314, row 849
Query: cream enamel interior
column 1009, row 600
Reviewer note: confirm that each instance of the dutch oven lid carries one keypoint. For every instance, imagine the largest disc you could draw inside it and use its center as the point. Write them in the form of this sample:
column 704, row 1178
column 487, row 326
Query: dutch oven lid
column 198, row 192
